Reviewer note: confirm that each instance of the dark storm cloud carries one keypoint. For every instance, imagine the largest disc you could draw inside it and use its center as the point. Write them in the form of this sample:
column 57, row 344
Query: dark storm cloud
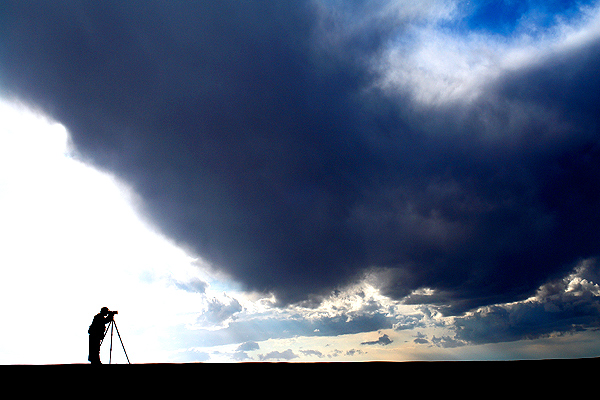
column 246, row 129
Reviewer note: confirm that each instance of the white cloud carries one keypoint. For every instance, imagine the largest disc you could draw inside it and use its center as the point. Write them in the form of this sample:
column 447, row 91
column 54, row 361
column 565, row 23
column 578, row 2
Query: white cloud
column 436, row 64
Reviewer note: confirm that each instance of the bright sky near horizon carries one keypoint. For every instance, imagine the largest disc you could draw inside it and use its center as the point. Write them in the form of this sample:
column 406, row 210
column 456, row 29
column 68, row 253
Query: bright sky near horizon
column 71, row 243
column 435, row 200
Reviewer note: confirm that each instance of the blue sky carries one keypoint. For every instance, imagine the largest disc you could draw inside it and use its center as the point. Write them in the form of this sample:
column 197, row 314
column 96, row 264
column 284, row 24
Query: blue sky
column 503, row 17
column 308, row 181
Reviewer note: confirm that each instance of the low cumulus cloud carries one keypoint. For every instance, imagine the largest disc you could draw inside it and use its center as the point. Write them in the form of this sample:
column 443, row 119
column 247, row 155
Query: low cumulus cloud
column 219, row 312
column 248, row 346
column 286, row 355
column 315, row 353
column 290, row 145
column 560, row 307
column 194, row 285
column 383, row 340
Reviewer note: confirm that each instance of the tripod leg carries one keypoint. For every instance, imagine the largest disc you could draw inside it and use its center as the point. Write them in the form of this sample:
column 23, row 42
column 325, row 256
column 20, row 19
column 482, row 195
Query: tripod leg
column 112, row 323
column 122, row 345
column 109, row 326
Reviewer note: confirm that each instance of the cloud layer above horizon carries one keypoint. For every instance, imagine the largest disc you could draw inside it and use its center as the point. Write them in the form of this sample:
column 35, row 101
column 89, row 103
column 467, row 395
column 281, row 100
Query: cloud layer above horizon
column 301, row 146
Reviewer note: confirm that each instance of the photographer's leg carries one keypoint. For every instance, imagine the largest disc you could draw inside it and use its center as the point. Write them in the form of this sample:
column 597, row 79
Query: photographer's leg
column 94, row 350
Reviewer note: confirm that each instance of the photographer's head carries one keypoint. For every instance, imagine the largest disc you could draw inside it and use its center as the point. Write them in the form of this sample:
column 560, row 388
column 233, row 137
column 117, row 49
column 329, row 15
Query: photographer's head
column 104, row 311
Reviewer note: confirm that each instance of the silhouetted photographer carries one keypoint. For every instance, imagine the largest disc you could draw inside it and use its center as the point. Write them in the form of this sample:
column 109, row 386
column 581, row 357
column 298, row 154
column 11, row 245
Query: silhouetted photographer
column 96, row 332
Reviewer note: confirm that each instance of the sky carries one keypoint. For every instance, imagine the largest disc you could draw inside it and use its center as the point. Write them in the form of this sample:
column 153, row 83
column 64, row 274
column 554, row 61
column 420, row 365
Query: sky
column 317, row 180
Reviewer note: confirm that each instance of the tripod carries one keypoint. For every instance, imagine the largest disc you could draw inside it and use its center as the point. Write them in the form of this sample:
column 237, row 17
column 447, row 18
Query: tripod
column 112, row 324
